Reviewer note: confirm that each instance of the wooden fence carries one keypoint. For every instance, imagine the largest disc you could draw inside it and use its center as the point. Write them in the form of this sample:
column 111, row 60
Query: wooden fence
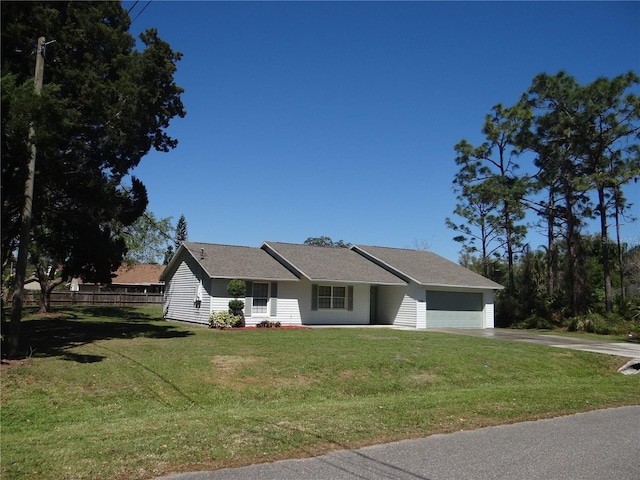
column 93, row 298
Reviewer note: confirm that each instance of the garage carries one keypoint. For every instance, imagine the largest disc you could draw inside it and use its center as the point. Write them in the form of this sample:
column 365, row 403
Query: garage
column 454, row 309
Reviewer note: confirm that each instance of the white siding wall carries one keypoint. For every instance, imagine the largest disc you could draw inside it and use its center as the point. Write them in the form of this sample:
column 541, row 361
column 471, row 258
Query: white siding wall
column 294, row 306
column 421, row 313
column 406, row 316
column 412, row 310
column 358, row 316
column 287, row 309
column 179, row 295
column 489, row 316
column 389, row 302
column 219, row 296
column 402, row 306
column 288, row 305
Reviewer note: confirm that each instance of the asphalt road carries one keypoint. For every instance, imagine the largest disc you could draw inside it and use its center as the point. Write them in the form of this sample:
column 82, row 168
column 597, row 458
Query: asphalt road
column 599, row 445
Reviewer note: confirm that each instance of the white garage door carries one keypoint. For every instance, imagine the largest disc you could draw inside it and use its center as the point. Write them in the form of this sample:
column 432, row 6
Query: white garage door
column 454, row 309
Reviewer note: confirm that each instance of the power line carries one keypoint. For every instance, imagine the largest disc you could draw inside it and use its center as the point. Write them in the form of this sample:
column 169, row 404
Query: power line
column 133, row 6
column 140, row 12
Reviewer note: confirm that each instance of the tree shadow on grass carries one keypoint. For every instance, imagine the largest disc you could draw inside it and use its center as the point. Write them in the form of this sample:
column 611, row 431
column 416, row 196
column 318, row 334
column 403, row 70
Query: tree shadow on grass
column 57, row 334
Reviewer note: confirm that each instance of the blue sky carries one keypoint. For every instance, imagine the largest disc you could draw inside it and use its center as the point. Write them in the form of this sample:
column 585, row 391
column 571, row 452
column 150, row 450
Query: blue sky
column 307, row 119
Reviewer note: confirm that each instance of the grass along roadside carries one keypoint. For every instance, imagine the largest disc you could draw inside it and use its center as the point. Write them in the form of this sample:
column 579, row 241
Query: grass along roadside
column 117, row 393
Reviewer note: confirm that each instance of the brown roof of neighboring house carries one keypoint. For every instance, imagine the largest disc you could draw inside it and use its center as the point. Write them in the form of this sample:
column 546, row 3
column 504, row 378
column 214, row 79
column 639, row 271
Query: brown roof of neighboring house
column 425, row 268
column 331, row 264
column 141, row 274
column 230, row 261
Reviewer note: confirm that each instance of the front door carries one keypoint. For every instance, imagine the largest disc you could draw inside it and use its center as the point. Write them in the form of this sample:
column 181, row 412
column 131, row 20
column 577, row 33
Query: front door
column 373, row 305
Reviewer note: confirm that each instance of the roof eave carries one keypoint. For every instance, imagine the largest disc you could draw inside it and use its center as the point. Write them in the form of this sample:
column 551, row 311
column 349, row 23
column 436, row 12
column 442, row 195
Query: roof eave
column 459, row 285
column 266, row 279
column 357, row 282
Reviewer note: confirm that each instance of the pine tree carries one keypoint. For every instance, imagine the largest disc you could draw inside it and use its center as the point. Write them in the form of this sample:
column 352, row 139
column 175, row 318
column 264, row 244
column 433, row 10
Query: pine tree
column 181, row 232
column 585, row 138
column 490, row 190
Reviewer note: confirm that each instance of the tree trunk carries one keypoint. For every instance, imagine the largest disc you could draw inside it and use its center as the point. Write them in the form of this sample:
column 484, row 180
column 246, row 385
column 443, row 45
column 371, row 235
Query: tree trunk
column 551, row 247
column 25, row 230
column 574, row 276
column 45, row 306
column 45, row 298
column 44, row 281
column 485, row 259
column 47, row 282
column 509, row 239
column 606, row 265
column 623, row 290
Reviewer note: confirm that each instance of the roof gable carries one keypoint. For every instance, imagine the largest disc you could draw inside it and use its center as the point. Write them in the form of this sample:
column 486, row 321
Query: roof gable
column 425, row 268
column 229, row 261
column 330, row 264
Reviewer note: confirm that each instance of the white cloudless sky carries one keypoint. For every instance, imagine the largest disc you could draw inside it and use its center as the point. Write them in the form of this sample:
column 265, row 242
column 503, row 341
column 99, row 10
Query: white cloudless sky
column 307, row 119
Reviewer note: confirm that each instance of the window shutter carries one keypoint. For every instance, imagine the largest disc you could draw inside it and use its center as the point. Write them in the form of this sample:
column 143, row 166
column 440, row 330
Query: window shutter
column 248, row 299
column 350, row 298
column 274, row 299
column 314, row 297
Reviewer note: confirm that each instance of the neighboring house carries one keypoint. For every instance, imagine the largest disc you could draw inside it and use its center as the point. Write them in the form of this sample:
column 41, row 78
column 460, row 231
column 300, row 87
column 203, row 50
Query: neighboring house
column 140, row 278
column 32, row 284
column 306, row 285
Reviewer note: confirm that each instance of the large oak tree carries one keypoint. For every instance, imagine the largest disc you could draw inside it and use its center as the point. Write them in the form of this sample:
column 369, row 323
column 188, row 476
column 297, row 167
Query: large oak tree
column 104, row 105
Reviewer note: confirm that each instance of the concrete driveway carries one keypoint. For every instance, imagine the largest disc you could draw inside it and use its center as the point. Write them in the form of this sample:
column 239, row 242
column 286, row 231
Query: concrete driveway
column 630, row 350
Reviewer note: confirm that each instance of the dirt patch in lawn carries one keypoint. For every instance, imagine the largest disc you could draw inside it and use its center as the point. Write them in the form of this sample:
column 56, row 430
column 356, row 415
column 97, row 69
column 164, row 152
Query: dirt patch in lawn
column 424, row 378
column 227, row 370
column 231, row 363
column 8, row 363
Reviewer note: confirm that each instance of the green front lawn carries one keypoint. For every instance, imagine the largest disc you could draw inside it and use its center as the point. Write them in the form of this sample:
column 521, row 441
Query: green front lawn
column 113, row 393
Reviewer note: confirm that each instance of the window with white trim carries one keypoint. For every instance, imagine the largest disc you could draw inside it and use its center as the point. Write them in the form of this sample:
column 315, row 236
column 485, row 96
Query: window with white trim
column 332, row 297
column 260, row 298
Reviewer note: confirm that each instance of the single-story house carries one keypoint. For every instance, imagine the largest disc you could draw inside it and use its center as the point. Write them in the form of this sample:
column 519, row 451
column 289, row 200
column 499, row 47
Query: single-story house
column 140, row 278
column 308, row 285
column 32, row 284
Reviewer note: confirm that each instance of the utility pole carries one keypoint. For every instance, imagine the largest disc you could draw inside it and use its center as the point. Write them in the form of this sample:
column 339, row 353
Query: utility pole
column 25, row 230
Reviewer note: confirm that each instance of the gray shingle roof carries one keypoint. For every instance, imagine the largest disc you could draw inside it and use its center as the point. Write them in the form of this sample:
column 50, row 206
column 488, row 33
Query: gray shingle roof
column 332, row 264
column 247, row 263
column 426, row 268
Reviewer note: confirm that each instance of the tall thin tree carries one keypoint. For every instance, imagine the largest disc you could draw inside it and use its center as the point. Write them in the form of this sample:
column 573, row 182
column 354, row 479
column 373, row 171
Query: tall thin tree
column 492, row 169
